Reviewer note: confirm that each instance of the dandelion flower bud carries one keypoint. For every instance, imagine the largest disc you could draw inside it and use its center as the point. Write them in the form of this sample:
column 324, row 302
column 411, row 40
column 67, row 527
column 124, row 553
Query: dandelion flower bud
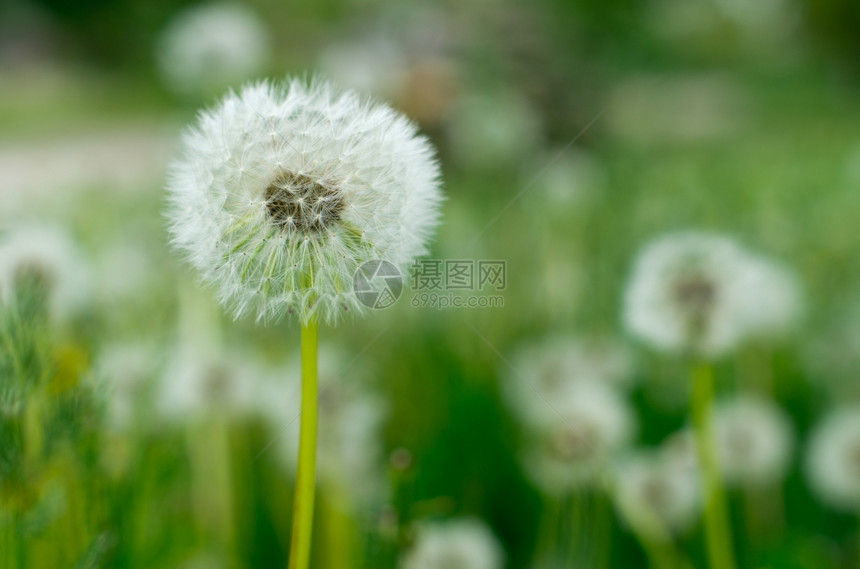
column 753, row 439
column 283, row 191
column 689, row 292
column 833, row 459
column 457, row 544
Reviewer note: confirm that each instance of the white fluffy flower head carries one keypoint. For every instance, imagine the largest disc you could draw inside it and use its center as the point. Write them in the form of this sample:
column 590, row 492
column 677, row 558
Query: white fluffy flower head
column 457, row 544
column 833, row 459
column 283, row 191
column 582, row 428
column 546, row 369
column 753, row 439
column 691, row 292
column 657, row 494
column 48, row 254
column 212, row 45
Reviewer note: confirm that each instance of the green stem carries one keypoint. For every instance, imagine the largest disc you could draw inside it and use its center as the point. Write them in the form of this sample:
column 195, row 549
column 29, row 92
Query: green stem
column 303, row 501
column 719, row 541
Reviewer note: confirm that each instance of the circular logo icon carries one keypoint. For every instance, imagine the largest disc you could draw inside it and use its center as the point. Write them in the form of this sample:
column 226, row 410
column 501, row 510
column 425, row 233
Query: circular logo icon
column 377, row 284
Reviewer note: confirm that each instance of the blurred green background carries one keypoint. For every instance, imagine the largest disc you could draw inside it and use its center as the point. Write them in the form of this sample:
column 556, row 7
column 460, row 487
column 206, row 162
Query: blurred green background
column 570, row 134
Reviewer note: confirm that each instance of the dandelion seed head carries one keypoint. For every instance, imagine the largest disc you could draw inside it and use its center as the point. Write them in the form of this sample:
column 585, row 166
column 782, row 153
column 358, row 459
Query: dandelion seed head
column 457, row 544
column 210, row 46
column 662, row 495
column 283, row 191
column 543, row 370
column 833, row 459
column 701, row 293
column 582, row 428
column 753, row 440
column 44, row 256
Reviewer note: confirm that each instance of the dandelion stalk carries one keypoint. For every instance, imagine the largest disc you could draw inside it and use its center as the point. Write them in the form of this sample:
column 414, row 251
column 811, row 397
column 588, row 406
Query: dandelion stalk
column 303, row 502
column 719, row 542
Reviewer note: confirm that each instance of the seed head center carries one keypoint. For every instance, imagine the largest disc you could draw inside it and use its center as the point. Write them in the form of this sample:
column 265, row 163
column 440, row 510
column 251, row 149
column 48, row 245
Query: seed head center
column 298, row 202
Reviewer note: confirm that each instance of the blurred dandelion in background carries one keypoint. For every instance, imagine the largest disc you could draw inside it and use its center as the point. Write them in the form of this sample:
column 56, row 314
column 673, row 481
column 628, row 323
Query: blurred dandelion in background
column 46, row 259
column 454, row 544
column 832, row 459
column 209, row 47
column 753, row 440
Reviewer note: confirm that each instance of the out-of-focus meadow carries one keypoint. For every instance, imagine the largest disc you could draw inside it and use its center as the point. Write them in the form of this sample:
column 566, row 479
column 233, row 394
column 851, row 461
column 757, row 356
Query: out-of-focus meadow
column 141, row 427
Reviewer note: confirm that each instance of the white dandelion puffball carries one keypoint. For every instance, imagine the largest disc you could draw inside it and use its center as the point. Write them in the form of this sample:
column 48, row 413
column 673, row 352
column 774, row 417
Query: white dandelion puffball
column 210, row 46
column 656, row 494
column 48, row 255
column 833, row 459
column 581, row 431
column 283, row 191
column 545, row 369
column 690, row 291
column 774, row 300
column 753, row 440
column 457, row 544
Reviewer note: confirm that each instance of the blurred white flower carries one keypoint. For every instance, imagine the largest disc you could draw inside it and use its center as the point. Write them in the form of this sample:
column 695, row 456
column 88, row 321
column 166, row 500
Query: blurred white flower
column 126, row 372
column 753, row 440
column 580, row 431
column 200, row 384
column 210, row 46
column 833, row 459
column 351, row 417
column 456, row 544
column 704, row 293
column 372, row 64
column 545, row 370
column 284, row 191
column 774, row 301
column 44, row 256
column 657, row 494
